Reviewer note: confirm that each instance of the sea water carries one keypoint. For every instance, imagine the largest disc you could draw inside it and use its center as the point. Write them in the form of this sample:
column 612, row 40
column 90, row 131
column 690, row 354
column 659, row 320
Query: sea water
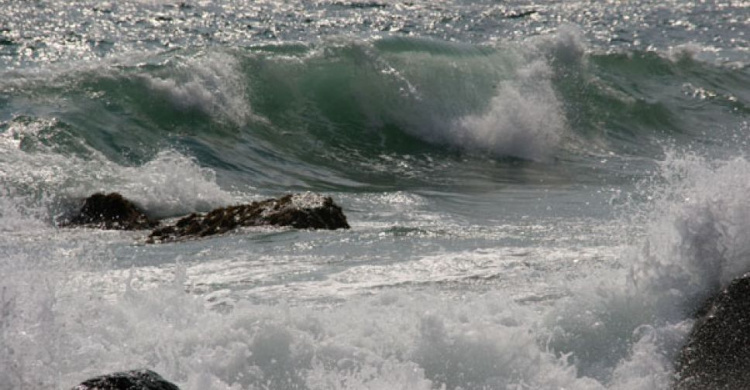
column 541, row 194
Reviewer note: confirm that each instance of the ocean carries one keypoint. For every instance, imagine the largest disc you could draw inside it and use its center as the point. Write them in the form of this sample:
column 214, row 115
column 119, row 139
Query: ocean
column 541, row 194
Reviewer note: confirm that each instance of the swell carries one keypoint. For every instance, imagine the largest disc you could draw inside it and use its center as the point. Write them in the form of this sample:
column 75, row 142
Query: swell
column 320, row 115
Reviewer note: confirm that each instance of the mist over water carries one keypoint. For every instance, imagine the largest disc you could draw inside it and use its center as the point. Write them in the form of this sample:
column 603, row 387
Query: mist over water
column 540, row 195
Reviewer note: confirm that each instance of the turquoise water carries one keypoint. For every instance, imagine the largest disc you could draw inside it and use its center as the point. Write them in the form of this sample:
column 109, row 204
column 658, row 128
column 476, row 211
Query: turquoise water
column 540, row 194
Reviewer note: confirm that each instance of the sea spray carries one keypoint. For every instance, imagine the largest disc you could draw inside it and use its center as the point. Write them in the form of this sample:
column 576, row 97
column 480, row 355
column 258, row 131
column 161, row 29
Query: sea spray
column 211, row 83
column 627, row 329
column 615, row 329
column 483, row 253
column 525, row 118
column 699, row 239
column 170, row 184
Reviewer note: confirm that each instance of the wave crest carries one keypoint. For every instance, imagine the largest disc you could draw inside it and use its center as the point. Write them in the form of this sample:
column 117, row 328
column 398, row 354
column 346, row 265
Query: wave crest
column 212, row 84
column 524, row 120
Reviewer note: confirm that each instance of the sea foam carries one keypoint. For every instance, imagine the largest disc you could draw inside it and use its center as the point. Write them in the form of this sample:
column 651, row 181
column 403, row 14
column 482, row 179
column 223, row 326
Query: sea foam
column 615, row 328
column 446, row 100
column 625, row 328
column 525, row 119
column 212, row 83
column 169, row 184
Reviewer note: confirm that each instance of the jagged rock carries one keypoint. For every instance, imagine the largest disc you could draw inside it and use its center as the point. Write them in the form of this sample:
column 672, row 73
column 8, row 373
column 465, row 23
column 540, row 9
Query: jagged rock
column 129, row 380
column 521, row 14
column 301, row 211
column 717, row 354
column 111, row 211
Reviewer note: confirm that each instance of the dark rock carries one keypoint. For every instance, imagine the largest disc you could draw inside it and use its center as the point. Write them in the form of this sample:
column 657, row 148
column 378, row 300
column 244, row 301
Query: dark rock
column 129, row 380
column 522, row 14
column 300, row 211
column 717, row 354
column 111, row 211
column 370, row 4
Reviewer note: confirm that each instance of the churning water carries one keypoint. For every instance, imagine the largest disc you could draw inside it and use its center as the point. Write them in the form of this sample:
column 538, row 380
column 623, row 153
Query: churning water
column 540, row 194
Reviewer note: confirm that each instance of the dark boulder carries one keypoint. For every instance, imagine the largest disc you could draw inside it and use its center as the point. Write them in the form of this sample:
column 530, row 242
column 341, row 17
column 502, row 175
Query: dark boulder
column 111, row 211
column 300, row 211
column 129, row 380
column 717, row 354
column 520, row 14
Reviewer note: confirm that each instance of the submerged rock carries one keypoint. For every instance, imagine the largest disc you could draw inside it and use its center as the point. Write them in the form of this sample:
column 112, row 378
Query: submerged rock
column 129, row 380
column 717, row 354
column 111, row 211
column 300, row 211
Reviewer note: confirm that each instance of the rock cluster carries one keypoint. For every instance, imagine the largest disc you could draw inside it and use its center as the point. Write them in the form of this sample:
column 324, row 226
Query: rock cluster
column 300, row 211
column 128, row 380
column 717, row 354
column 111, row 211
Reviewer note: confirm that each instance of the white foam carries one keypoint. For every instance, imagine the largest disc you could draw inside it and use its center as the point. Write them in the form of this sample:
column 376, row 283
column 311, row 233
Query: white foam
column 687, row 51
column 445, row 100
column 402, row 340
column 614, row 328
column 170, row 184
column 308, row 200
column 624, row 328
column 16, row 214
column 211, row 83
column 524, row 120
column 567, row 46
column 699, row 237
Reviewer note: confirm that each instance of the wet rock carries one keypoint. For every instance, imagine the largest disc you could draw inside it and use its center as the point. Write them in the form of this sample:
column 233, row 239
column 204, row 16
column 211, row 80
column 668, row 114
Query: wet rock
column 111, row 211
column 520, row 14
column 717, row 354
column 129, row 380
column 300, row 211
column 370, row 4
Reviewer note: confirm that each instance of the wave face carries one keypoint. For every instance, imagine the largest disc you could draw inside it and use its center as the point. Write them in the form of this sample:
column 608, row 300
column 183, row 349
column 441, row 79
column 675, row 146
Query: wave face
column 321, row 114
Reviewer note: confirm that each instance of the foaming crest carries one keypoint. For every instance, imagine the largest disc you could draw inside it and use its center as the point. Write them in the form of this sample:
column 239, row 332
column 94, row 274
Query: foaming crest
column 170, row 184
column 524, row 120
column 503, row 103
column 687, row 51
column 211, row 83
column 567, row 46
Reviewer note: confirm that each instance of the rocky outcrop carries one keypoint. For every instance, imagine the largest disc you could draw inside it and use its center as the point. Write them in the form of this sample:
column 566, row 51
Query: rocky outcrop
column 110, row 211
column 300, row 211
column 129, row 380
column 717, row 354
